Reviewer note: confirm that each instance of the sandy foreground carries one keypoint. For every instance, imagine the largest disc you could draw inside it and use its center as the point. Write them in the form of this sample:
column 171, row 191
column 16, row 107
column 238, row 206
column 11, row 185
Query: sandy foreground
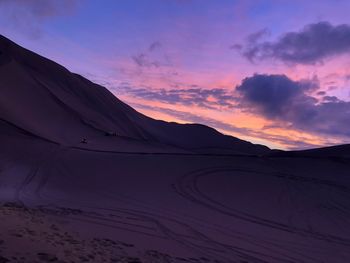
column 94, row 206
column 46, row 234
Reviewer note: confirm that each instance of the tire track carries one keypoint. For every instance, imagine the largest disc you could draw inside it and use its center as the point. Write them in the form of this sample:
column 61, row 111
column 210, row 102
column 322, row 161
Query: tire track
column 187, row 187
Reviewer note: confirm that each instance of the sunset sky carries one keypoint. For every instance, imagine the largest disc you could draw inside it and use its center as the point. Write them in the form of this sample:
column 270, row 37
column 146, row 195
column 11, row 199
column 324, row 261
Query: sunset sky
column 275, row 72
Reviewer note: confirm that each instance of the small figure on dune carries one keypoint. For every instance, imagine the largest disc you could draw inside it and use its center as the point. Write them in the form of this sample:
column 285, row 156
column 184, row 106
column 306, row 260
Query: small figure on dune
column 111, row 133
column 83, row 140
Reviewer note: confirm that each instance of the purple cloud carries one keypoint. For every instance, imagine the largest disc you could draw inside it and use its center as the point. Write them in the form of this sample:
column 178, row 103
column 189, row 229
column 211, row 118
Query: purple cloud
column 193, row 95
column 41, row 8
column 153, row 57
column 279, row 98
column 155, row 45
column 313, row 44
column 27, row 15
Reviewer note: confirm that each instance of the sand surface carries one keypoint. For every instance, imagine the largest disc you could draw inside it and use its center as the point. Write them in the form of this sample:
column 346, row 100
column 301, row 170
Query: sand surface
column 175, row 207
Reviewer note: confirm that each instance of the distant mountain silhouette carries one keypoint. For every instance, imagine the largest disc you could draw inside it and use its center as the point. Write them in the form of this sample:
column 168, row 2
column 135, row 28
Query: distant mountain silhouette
column 43, row 99
column 324, row 152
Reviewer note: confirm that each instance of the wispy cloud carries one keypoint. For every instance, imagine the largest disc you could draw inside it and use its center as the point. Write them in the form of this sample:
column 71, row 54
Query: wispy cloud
column 192, row 95
column 152, row 57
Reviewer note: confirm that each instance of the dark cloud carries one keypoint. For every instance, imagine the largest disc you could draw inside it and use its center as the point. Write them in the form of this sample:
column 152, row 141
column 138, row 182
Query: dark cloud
column 330, row 99
column 189, row 96
column 321, row 93
column 40, row 8
column 281, row 99
column 153, row 57
column 155, row 45
column 143, row 60
column 255, row 37
column 274, row 95
column 313, row 44
column 252, row 39
column 28, row 15
column 236, row 46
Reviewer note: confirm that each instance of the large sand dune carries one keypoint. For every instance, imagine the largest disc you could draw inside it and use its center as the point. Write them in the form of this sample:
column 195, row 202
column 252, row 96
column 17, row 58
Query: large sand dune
column 155, row 192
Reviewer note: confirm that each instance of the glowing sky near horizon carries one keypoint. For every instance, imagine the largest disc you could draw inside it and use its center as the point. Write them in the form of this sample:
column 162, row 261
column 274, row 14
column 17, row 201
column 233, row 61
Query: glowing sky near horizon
column 274, row 72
